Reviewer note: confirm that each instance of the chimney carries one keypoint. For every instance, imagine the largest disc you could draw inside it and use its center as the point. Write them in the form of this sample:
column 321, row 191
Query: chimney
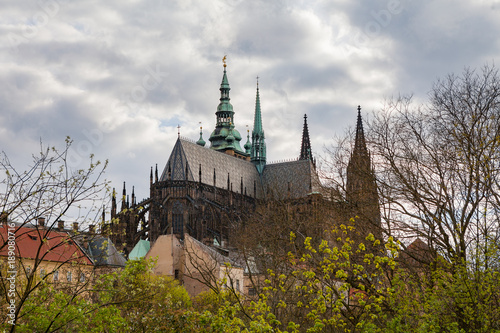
column 60, row 225
column 75, row 226
column 91, row 229
column 41, row 221
column 85, row 242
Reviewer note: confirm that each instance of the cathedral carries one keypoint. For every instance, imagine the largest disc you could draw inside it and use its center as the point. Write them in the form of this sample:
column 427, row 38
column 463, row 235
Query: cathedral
column 208, row 190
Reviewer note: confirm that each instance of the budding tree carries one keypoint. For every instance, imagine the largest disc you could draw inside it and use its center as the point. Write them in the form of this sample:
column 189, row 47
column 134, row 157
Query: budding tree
column 52, row 189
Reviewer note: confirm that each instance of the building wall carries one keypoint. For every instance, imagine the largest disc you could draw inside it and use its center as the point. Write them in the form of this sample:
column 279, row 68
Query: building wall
column 196, row 265
column 167, row 251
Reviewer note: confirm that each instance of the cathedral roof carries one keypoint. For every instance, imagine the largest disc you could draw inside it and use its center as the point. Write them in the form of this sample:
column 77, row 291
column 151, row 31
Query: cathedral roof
column 188, row 158
column 294, row 179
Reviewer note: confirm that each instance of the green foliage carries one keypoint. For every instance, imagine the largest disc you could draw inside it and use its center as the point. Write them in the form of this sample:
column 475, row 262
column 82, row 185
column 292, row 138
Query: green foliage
column 143, row 298
column 451, row 298
column 128, row 300
column 50, row 310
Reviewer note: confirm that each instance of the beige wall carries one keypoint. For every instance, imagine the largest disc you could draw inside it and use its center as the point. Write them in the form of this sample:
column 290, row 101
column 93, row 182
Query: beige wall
column 49, row 267
column 197, row 266
column 167, row 250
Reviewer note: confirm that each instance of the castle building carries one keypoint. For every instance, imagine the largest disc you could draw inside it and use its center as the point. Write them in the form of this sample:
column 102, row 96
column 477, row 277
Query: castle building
column 208, row 190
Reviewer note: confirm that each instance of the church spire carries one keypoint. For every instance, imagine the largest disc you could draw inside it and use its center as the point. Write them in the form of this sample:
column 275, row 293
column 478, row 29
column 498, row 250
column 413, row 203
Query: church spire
column 225, row 137
column 258, row 151
column 360, row 143
column 305, row 149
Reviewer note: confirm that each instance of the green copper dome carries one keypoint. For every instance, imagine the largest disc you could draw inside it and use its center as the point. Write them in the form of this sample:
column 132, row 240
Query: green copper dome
column 248, row 144
column 225, row 136
column 200, row 141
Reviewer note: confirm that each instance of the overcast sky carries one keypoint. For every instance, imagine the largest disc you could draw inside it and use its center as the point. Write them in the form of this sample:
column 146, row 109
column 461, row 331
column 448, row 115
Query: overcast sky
column 118, row 77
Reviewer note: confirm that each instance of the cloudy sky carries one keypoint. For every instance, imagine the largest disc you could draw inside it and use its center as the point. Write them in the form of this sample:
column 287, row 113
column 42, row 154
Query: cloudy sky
column 118, row 77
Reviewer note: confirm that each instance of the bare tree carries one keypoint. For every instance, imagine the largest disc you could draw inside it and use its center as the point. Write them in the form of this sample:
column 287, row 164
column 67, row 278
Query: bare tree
column 438, row 164
column 51, row 189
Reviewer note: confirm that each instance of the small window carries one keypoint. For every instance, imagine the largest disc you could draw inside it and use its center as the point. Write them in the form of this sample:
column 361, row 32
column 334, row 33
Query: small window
column 82, row 277
column 28, row 271
column 69, row 276
column 176, row 274
column 238, row 285
column 251, row 292
column 42, row 273
column 56, row 275
column 33, row 237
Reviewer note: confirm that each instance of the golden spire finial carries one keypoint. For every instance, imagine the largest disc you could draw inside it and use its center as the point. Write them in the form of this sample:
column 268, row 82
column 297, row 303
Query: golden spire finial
column 224, row 61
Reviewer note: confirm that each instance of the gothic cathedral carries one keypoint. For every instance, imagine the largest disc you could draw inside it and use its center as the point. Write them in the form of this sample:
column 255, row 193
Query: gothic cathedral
column 208, row 192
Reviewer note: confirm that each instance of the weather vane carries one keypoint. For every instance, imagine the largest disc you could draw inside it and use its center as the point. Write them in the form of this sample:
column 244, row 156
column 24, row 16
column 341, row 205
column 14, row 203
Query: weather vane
column 224, row 60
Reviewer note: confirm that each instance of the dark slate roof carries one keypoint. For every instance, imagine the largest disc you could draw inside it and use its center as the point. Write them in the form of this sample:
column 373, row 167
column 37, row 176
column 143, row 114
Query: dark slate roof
column 214, row 254
column 210, row 160
column 275, row 179
column 295, row 179
column 104, row 253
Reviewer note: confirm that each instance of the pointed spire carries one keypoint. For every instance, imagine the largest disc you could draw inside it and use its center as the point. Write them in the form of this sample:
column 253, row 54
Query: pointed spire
column 113, row 204
column 257, row 122
column 133, row 195
column 224, row 106
column 124, row 195
column 360, row 143
column 258, row 150
column 151, row 176
column 305, row 149
column 225, row 137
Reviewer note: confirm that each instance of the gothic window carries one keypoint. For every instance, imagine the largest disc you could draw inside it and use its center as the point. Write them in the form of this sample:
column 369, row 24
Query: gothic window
column 177, row 217
column 56, row 275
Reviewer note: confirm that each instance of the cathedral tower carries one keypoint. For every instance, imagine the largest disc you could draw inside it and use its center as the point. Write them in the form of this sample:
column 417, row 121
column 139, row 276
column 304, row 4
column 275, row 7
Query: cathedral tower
column 361, row 188
column 225, row 138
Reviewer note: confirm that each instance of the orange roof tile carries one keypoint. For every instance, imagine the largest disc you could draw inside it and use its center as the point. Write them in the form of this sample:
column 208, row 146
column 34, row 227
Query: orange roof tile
column 47, row 245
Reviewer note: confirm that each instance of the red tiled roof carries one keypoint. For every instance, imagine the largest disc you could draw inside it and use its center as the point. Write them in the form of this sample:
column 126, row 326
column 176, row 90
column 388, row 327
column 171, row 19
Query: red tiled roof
column 50, row 245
